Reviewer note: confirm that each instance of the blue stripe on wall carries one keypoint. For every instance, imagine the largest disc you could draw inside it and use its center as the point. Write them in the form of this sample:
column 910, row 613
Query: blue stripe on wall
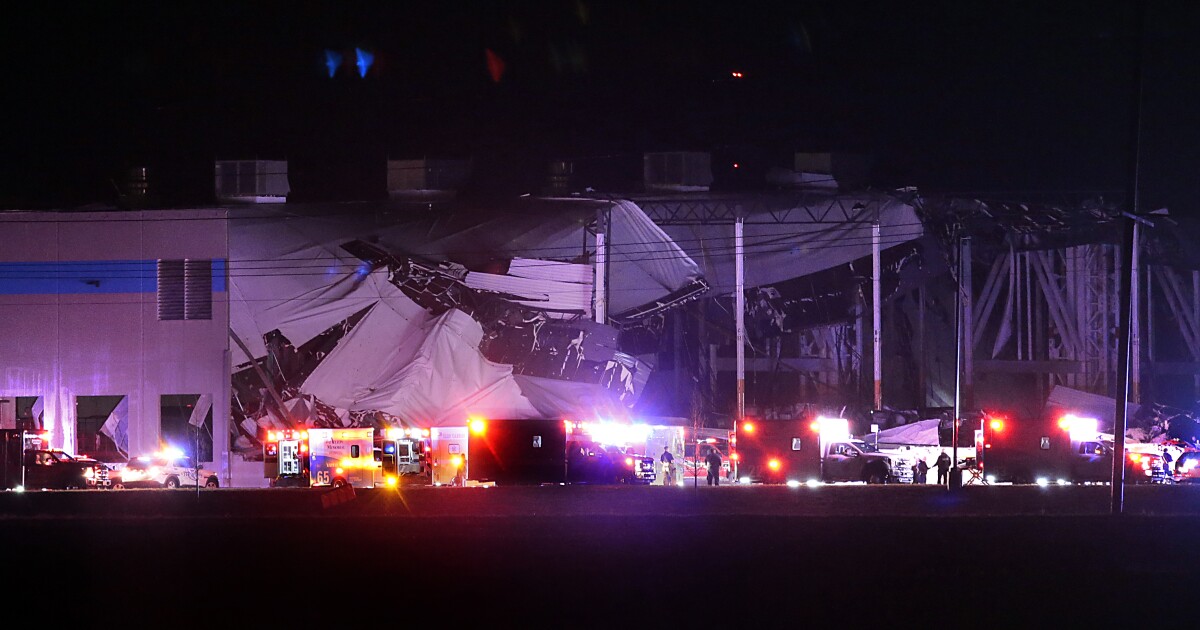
column 89, row 276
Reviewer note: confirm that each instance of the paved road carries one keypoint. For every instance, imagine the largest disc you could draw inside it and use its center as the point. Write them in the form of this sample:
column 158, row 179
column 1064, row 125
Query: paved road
column 609, row 557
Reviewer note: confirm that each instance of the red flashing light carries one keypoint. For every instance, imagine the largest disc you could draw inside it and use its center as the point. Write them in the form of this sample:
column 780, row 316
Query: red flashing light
column 629, row 461
column 996, row 424
column 748, row 427
column 734, row 456
column 735, row 165
column 774, row 464
column 816, row 427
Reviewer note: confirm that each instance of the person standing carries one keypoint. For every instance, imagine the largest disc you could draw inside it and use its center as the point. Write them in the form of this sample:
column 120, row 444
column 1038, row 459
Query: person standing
column 943, row 467
column 713, row 459
column 923, row 470
column 1168, row 469
column 668, row 466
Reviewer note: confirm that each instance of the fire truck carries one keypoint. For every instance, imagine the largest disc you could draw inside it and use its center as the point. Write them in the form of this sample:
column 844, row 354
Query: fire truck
column 536, row 451
column 813, row 450
column 1066, row 449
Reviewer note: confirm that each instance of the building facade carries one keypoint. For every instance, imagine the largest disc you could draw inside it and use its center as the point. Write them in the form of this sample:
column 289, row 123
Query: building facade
column 115, row 331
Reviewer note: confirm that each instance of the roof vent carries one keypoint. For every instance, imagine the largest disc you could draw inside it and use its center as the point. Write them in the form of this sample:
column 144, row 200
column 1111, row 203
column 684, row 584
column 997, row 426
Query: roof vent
column 251, row 181
column 418, row 177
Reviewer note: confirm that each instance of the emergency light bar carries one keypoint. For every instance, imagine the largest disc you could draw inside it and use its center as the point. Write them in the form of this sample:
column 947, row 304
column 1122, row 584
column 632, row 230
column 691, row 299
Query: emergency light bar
column 398, row 433
column 286, row 434
column 1079, row 427
column 613, row 433
column 832, row 428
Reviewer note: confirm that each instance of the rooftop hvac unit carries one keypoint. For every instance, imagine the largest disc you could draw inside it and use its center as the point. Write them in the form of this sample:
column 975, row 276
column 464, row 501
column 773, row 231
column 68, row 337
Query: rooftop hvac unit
column 681, row 171
column 413, row 176
column 252, row 181
column 561, row 175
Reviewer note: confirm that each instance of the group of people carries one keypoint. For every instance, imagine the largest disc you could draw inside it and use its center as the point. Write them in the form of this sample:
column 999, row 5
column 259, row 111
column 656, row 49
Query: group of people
column 712, row 461
column 921, row 470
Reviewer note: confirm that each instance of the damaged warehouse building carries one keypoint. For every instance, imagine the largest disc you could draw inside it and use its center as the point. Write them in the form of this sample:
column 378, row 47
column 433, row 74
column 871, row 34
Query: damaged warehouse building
column 262, row 313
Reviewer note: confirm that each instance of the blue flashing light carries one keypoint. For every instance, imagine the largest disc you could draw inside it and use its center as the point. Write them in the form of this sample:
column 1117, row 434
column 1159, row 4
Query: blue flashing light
column 389, row 449
column 365, row 59
column 333, row 61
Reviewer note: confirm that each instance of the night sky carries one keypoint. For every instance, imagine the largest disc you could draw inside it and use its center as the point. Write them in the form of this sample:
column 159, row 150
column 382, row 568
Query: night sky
column 1012, row 98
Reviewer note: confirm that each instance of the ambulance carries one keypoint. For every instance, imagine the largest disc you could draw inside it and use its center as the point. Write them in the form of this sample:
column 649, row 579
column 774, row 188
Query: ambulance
column 340, row 457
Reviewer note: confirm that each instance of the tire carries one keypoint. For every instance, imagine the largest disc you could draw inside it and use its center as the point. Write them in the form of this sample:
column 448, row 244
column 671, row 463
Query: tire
column 338, row 483
column 212, row 483
column 118, row 486
column 875, row 476
column 171, row 482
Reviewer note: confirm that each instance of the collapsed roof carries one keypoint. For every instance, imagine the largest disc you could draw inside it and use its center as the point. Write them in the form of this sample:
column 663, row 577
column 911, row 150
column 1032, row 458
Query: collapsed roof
column 428, row 316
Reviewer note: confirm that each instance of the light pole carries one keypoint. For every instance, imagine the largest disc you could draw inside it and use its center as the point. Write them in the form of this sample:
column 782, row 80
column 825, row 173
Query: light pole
column 955, row 472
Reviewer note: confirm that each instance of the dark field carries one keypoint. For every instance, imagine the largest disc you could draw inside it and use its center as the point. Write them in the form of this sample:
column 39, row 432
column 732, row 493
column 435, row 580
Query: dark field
column 608, row 557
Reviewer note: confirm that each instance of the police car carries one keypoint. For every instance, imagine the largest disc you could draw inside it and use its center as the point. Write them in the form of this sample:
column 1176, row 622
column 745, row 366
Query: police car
column 167, row 469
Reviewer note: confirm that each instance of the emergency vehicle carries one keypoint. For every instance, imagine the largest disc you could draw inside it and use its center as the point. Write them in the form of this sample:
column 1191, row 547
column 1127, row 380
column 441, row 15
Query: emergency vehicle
column 169, row 468
column 339, row 457
column 404, row 454
column 536, row 451
column 27, row 462
column 811, row 451
column 1066, row 449
column 286, row 458
column 447, row 458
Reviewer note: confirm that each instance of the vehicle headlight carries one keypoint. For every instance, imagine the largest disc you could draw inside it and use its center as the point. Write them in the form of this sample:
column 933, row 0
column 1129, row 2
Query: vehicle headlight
column 89, row 473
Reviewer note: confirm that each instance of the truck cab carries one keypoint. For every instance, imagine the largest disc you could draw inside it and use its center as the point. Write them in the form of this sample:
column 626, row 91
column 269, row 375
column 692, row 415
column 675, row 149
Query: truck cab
column 799, row 451
column 56, row 470
column 1069, row 448
column 855, row 460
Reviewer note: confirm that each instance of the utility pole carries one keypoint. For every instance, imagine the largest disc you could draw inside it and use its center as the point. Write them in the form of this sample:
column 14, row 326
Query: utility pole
column 1125, row 317
column 739, row 266
column 739, row 254
column 601, row 284
column 1135, row 301
column 876, row 314
column 955, row 473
